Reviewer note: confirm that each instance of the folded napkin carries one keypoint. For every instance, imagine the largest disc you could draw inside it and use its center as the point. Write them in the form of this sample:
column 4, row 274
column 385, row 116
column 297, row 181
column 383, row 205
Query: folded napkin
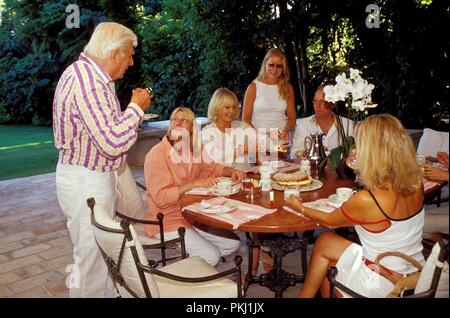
column 324, row 205
column 427, row 184
column 199, row 191
column 244, row 212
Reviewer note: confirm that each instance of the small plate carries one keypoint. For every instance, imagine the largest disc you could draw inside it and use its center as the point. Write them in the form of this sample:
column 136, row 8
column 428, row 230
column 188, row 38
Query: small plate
column 335, row 199
column 219, row 209
column 235, row 189
column 150, row 116
column 314, row 185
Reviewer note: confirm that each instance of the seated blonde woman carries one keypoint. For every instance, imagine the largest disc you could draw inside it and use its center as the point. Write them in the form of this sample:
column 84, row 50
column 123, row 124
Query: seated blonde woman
column 231, row 142
column 228, row 140
column 388, row 214
column 175, row 166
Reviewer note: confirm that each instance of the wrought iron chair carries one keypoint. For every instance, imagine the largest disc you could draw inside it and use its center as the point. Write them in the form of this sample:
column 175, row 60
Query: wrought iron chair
column 433, row 280
column 133, row 277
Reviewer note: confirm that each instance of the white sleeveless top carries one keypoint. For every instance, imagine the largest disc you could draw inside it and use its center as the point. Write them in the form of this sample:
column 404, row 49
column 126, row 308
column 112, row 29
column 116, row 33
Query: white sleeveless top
column 269, row 109
column 403, row 236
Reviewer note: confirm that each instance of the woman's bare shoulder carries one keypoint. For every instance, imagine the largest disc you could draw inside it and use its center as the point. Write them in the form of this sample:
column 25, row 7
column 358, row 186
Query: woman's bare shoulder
column 251, row 86
column 361, row 206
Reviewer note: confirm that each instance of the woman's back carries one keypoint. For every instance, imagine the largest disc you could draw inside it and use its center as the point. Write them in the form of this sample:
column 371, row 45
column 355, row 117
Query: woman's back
column 395, row 224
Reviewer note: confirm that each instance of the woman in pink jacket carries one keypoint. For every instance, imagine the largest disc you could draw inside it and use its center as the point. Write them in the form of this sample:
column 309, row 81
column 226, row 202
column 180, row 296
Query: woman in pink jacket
column 175, row 166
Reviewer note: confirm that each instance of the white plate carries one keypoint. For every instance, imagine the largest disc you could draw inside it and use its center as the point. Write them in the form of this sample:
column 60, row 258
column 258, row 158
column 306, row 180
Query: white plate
column 219, row 209
column 314, row 185
column 235, row 189
column 335, row 198
column 150, row 116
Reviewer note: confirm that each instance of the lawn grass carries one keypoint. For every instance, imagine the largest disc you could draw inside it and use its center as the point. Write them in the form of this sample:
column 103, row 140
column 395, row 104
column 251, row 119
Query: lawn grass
column 26, row 151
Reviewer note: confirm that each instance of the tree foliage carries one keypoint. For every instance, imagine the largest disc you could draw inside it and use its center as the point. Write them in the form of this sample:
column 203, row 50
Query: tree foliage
column 189, row 48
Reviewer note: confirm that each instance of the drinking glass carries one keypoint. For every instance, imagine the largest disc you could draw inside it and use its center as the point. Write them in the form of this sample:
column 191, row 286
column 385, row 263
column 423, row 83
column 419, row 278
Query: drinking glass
column 247, row 186
column 351, row 159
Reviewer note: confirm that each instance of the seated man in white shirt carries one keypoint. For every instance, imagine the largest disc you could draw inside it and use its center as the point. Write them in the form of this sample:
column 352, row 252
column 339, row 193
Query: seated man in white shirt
column 324, row 121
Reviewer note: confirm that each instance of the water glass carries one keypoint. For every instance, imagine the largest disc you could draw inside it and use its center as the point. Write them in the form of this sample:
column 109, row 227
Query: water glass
column 247, row 186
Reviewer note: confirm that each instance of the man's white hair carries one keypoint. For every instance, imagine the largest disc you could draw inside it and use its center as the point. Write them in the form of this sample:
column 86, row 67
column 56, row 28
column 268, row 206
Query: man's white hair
column 109, row 36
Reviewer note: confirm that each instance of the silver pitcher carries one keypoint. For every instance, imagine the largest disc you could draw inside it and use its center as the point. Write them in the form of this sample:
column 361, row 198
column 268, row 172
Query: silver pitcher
column 314, row 147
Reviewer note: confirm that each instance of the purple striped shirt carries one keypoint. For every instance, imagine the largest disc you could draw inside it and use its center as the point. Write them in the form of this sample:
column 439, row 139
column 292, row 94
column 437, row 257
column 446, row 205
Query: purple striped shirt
column 89, row 128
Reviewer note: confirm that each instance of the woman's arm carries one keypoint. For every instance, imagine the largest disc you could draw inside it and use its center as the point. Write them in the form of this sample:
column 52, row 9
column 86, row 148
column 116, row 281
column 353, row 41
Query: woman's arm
column 435, row 173
column 236, row 175
column 359, row 209
column 442, row 157
column 249, row 99
column 298, row 140
column 329, row 220
column 290, row 113
column 200, row 182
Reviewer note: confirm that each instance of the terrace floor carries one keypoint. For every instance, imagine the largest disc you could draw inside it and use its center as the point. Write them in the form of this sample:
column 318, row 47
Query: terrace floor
column 35, row 247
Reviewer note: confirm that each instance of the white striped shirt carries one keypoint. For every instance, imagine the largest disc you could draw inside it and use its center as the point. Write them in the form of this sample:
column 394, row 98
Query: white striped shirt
column 89, row 128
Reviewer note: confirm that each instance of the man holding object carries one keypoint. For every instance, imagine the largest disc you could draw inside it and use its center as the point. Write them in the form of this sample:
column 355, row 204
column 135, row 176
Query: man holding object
column 93, row 136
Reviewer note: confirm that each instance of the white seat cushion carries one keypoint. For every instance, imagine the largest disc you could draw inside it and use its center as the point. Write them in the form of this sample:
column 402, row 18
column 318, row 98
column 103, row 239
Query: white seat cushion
column 424, row 282
column 432, row 141
column 111, row 244
column 194, row 267
column 143, row 237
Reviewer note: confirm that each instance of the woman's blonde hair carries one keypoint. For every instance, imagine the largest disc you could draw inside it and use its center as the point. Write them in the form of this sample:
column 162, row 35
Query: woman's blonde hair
column 386, row 155
column 109, row 36
column 222, row 97
column 283, row 85
column 195, row 136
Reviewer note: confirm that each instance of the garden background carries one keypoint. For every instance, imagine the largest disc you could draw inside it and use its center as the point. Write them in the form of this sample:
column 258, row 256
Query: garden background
column 189, row 48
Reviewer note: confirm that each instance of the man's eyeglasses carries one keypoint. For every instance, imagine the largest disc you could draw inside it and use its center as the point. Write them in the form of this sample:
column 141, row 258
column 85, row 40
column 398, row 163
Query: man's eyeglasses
column 275, row 65
column 318, row 101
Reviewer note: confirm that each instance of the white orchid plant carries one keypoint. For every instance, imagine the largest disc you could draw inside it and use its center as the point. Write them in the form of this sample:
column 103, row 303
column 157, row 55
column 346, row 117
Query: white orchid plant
column 356, row 93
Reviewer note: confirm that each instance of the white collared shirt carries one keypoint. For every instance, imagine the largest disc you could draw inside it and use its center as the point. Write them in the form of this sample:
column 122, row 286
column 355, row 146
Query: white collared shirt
column 308, row 126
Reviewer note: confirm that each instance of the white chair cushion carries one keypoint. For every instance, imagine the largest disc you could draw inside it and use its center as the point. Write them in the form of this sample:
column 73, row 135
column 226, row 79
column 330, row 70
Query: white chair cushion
column 432, row 141
column 194, row 267
column 424, row 282
column 128, row 197
column 143, row 237
column 111, row 244
column 159, row 287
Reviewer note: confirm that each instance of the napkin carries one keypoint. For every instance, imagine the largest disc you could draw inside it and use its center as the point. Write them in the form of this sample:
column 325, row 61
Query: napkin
column 244, row 213
column 427, row 184
column 199, row 191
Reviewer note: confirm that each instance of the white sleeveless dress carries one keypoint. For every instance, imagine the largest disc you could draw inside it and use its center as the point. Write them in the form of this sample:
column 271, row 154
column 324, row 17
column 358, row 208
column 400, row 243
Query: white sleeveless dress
column 269, row 109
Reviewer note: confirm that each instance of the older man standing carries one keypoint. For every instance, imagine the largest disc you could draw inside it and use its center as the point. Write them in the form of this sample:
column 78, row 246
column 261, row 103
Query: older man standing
column 93, row 136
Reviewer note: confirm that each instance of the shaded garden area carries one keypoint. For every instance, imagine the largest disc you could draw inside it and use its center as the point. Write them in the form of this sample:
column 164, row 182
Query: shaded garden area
column 188, row 48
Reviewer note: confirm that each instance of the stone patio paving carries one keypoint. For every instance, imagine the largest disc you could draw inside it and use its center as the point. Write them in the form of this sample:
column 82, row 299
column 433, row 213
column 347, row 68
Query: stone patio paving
column 35, row 247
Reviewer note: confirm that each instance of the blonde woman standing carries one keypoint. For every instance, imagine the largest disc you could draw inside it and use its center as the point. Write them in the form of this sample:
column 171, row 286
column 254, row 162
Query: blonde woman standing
column 269, row 99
